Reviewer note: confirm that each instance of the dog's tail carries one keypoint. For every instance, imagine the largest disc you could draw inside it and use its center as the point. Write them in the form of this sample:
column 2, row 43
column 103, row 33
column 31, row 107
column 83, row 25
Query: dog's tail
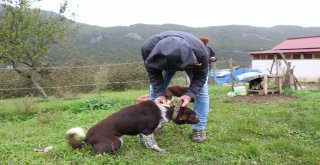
column 71, row 133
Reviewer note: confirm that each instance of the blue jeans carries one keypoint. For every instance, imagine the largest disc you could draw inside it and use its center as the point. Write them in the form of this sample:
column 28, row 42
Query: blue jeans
column 201, row 102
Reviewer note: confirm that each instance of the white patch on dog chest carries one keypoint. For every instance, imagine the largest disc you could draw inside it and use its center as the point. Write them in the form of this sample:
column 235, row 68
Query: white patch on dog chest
column 163, row 112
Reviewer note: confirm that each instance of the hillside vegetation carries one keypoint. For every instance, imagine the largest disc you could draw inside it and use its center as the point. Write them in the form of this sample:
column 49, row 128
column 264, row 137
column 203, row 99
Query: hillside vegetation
column 98, row 45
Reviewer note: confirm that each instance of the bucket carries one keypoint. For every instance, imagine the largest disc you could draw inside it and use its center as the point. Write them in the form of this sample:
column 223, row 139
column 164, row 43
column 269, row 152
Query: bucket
column 142, row 98
column 240, row 90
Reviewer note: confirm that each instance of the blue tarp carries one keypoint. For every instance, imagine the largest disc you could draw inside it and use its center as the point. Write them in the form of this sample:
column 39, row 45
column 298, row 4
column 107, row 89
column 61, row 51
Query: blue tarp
column 240, row 75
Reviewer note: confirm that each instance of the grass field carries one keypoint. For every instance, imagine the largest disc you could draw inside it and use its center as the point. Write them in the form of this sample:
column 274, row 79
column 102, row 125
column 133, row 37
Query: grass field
column 277, row 131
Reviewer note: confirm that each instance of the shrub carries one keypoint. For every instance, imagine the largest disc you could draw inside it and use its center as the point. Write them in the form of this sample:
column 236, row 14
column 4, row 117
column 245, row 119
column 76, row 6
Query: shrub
column 75, row 77
column 121, row 77
column 72, row 79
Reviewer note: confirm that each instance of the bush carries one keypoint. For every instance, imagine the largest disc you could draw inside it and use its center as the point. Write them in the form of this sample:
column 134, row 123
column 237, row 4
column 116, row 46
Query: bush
column 72, row 79
column 75, row 77
column 11, row 84
column 122, row 77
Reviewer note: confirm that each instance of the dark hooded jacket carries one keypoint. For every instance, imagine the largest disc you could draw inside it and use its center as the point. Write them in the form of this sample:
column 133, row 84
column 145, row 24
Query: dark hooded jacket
column 175, row 50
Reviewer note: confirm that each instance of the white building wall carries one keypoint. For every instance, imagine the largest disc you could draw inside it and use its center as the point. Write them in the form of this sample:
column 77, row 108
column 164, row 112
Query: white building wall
column 304, row 70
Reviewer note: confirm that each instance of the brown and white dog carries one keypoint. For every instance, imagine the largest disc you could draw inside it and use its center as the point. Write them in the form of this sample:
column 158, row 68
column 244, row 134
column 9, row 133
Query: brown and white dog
column 139, row 119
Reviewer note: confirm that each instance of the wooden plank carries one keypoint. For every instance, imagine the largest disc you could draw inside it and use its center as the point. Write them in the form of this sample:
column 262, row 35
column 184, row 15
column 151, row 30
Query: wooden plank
column 273, row 76
column 272, row 91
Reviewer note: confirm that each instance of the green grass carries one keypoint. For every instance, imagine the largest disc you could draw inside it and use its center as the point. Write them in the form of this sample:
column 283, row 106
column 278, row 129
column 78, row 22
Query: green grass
column 277, row 132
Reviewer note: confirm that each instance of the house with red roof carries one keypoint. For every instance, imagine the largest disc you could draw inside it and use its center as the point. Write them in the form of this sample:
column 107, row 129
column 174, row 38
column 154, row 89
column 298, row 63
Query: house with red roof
column 303, row 53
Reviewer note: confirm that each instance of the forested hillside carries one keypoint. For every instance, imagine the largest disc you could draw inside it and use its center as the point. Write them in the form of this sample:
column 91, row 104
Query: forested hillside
column 98, row 45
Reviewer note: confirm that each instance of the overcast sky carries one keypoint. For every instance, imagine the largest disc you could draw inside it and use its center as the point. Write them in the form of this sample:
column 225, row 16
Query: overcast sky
column 193, row 13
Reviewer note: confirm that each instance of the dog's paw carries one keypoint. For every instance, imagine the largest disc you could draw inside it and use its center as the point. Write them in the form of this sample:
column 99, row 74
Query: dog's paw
column 99, row 155
column 157, row 148
column 143, row 143
column 161, row 150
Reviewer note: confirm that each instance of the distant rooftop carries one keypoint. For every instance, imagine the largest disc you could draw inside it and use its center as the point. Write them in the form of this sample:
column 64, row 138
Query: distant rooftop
column 294, row 45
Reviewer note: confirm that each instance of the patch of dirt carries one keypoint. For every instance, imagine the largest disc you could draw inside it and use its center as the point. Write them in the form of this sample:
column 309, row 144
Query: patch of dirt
column 256, row 98
column 313, row 86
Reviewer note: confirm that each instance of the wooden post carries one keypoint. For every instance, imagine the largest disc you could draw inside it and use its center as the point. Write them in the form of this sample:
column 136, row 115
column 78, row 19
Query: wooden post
column 274, row 60
column 277, row 78
column 277, row 68
column 231, row 73
column 214, row 72
column 243, row 71
column 286, row 82
column 293, row 80
column 294, row 77
column 280, row 84
column 265, row 84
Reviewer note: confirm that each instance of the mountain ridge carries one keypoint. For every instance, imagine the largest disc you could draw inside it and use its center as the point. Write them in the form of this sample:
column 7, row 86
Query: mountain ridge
column 119, row 44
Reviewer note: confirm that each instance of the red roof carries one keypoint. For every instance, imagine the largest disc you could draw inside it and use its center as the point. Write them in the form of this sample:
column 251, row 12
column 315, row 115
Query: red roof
column 286, row 51
column 295, row 45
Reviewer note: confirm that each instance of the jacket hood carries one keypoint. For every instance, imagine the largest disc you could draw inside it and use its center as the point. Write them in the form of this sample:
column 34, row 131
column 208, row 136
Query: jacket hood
column 171, row 53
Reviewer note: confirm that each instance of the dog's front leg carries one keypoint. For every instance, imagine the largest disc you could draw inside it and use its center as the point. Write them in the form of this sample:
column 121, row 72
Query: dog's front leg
column 149, row 142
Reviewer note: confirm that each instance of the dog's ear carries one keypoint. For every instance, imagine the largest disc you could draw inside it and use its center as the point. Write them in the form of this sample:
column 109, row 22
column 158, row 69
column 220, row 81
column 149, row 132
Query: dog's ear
column 187, row 116
column 182, row 116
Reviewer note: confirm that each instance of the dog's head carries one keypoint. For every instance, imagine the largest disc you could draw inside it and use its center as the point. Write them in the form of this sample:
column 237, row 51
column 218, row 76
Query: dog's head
column 186, row 116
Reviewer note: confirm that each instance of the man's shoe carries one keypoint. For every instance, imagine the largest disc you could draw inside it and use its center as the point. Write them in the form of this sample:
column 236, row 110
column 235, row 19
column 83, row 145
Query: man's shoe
column 199, row 136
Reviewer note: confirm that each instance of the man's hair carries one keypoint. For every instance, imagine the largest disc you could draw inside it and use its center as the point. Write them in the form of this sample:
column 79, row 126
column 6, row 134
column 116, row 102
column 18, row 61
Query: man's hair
column 204, row 39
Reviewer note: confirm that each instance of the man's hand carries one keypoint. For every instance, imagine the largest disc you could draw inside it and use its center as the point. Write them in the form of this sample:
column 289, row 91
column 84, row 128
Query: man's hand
column 160, row 100
column 186, row 100
column 213, row 59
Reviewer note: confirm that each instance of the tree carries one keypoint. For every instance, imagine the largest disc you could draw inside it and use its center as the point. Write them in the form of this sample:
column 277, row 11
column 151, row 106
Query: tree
column 27, row 33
